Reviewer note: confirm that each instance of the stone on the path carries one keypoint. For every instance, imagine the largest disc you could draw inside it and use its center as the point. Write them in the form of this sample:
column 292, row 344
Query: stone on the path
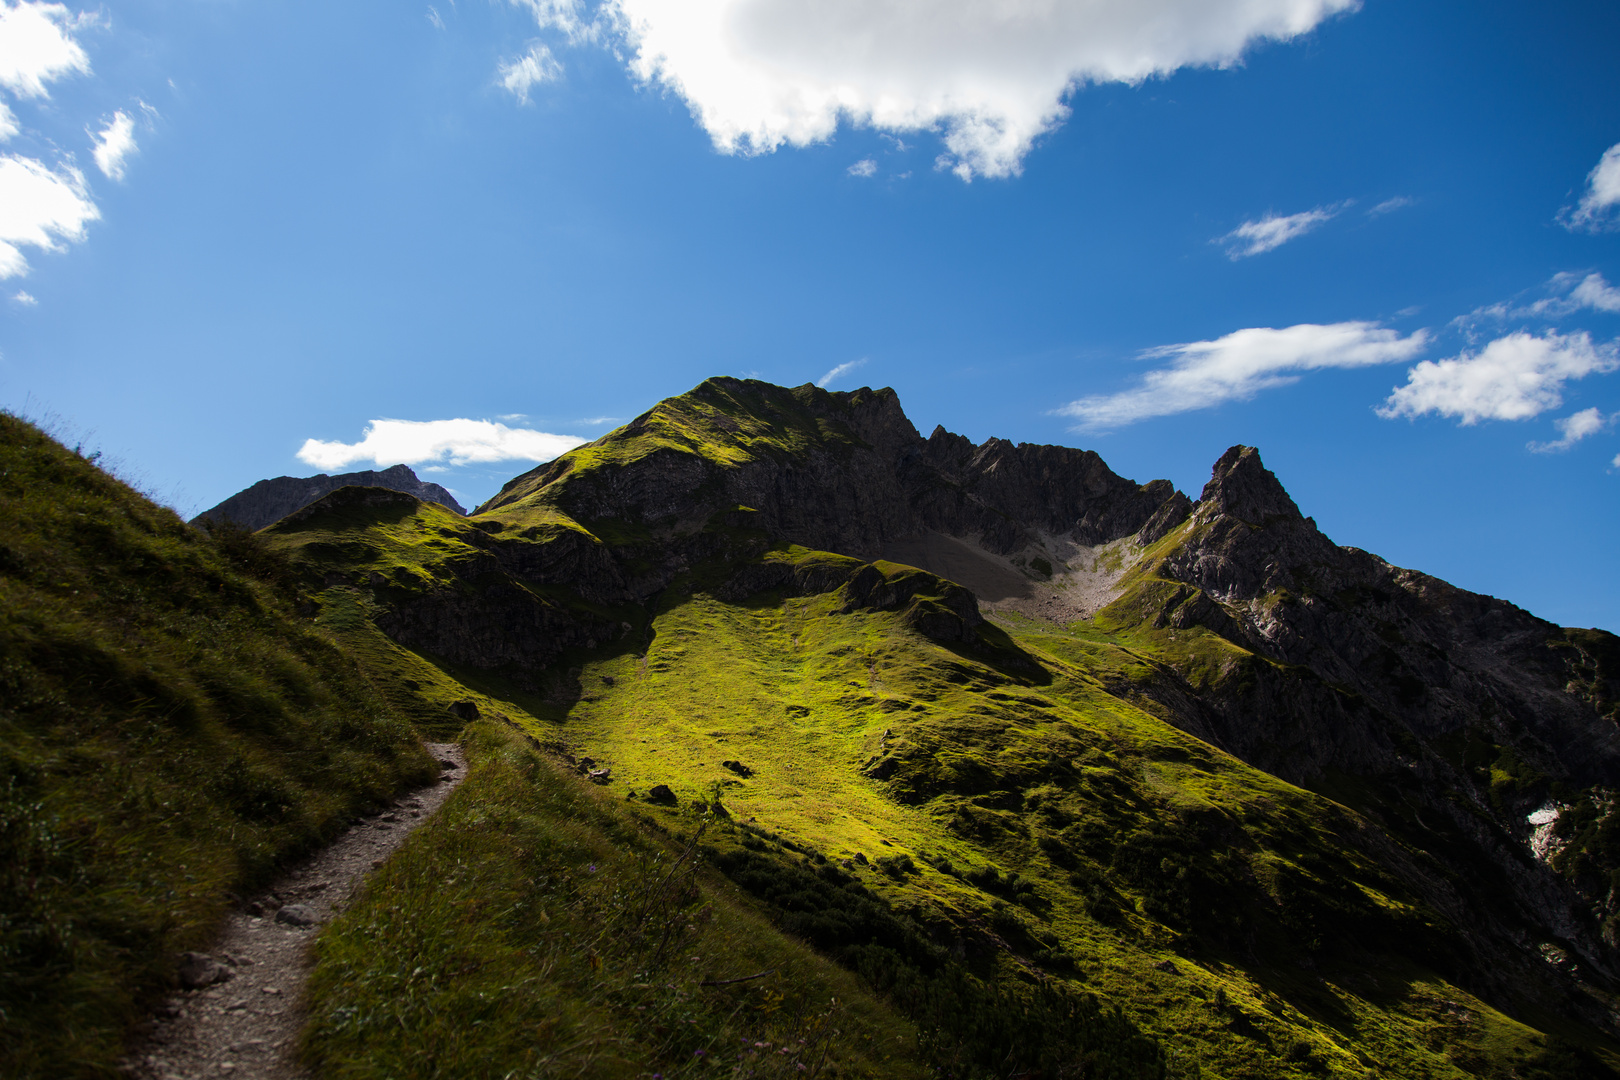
column 296, row 915
column 198, row 970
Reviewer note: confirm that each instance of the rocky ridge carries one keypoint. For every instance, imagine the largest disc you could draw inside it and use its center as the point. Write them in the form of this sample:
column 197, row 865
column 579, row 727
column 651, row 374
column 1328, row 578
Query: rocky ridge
column 271, row 500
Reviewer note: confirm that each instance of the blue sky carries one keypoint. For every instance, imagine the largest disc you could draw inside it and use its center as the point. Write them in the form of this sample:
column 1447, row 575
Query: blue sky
column 1376, row 240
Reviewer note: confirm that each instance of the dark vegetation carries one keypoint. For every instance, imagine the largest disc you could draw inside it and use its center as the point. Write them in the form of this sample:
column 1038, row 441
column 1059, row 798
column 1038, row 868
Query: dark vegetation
column 170, row 732
column 974, row 1019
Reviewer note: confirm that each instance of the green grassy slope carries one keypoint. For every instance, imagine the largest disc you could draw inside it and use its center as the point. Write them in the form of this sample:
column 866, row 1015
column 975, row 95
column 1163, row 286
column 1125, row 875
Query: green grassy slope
column 170, row 731
column 533, row 927
column 1003, row 805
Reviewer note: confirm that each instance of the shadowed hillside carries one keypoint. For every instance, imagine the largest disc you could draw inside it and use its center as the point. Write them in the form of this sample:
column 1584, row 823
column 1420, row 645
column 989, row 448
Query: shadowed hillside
column 171, row 731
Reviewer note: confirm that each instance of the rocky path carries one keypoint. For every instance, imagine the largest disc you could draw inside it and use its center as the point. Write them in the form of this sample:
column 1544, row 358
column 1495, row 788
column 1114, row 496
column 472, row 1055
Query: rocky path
column 242, row 1016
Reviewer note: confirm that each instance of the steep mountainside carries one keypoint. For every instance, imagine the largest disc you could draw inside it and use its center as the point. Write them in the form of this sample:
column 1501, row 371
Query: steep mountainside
column 1294, row 810
column 272, row 500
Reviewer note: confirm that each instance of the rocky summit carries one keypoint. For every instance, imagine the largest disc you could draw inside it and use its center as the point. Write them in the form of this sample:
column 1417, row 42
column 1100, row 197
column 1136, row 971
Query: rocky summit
column 271, row 500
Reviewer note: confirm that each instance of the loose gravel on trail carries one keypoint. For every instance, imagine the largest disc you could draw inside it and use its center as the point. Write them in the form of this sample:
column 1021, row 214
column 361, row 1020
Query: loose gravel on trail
column 246, row 1024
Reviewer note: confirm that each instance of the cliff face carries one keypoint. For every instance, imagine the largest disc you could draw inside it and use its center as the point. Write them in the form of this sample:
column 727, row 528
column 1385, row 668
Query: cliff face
column 1398, row 655
column 1443, row 718
column 271, row 500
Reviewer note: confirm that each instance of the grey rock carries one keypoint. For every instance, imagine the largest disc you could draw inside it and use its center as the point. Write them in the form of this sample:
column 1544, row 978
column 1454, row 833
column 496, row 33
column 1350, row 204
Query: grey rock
column 296, row 915
column 660, row 793
column 198, row 970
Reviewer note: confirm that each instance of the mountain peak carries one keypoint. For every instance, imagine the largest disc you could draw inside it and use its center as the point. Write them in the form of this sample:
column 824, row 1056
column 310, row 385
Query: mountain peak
column 1241, row 485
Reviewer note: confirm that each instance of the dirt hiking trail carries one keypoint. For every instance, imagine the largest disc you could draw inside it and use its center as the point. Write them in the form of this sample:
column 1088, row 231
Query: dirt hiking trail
column 243, row 1014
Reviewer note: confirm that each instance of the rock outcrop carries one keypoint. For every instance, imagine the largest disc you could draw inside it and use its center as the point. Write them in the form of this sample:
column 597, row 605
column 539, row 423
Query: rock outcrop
column 269, row 501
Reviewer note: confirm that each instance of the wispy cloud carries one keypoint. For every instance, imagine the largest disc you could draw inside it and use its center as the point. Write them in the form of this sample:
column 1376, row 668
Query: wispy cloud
column 37, row 46
column 1569, row 293
column 533, row 68
column 39, row 206
column 1596, row 210
column 1389, row 206
column 434, row 17
column 569, row 17
column 25, row 299
column 1275, row 230
column 839, row 372
column 1595, row 293
column 599, row 421
column 864, row 167
column 1573, row 429
column 1203, row 374
column 8, row 122
column 1514, row 377
column 114, row 144
column 454, row 442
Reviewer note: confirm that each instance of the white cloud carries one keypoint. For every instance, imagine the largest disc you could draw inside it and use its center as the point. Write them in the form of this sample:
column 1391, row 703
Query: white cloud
column 25, row 299
column 839, row 372
column 8, row 122
column 990, row 77
column 1602, row 194
column 1389, row 206
column 114, row 144
column 1571, row 293
column 457, row 442
column 1203, row 374
column 1573, row 429
column 1596, row 293
column 1275, row 230
column 599, row 421
column 37, row 46
column 1513, row 378
column 434, row 18
column 528, row 71
column 864, row 167
column 569, row 17
column 38, row 207
column 1616, row 461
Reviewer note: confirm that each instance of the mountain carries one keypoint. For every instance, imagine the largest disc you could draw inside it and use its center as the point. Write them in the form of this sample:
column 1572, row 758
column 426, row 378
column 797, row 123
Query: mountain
column 272, row 500
column 176, row 730
column 1290, row 809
